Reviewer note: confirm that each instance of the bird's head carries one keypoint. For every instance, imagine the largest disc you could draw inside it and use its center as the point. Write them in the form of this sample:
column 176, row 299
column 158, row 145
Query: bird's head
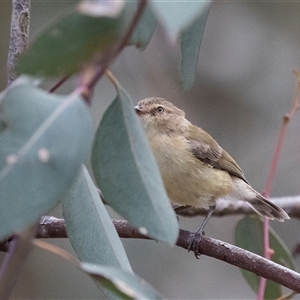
column 160, row 115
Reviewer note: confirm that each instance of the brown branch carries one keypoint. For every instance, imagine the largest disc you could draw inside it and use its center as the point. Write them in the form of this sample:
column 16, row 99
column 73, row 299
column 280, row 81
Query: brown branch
column 58, row 84
column 244, row 259
column 100, row 69
column 19, row 34
column 51, row 227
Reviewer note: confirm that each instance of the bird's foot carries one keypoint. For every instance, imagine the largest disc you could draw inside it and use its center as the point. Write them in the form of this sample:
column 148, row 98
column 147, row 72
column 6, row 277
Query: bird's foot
column 195, row 240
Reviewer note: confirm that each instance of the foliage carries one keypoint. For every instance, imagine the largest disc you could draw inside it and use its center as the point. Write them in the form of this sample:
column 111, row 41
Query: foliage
column 249, row 236
column 46, row 138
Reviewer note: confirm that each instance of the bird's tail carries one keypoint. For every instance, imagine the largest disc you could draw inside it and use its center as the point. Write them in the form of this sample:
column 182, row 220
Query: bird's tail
column 265, row 208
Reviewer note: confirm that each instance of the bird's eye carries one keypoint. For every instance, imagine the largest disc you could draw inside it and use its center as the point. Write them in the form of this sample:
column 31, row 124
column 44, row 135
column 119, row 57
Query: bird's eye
column 160, row 109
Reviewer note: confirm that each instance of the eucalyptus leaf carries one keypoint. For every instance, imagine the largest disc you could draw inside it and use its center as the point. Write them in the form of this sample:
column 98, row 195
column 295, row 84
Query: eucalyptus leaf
column 249, row 236
column 127, row 173
column 90, row 229
column 190, row 42
column 177, row 14
column 124, row 284
column 44, row 141
column 67, row 45
column 145, row 27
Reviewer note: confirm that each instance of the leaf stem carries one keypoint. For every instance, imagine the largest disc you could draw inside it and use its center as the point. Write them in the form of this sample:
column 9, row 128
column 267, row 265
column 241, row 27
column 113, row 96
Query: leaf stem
column 58, row 251
column 112, row 79
column 99, row 71
column 14, row 259
column 58, row 84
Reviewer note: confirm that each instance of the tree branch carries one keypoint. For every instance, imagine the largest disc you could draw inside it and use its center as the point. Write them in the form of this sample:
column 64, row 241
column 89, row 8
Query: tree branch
column 244, row 259
column 19, row 34
column 51, row 227
column 270, row 179
column 20, row 244
column 86, row 88
column 225, row 207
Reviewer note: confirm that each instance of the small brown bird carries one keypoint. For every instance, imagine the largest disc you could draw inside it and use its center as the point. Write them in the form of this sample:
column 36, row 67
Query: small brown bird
column 195, row 170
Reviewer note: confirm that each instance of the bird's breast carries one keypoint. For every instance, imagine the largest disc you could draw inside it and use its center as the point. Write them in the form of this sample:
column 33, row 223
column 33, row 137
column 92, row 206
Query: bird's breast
column 188, row 181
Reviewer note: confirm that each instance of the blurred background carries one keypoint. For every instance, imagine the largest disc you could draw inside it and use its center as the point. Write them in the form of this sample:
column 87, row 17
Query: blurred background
column 244, row 85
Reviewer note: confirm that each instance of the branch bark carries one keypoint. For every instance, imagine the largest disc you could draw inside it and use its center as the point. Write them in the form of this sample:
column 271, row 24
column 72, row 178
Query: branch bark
column 51, row 227
column 244, row 259
column 86, row 88
column 19, row 34
column 20, row 244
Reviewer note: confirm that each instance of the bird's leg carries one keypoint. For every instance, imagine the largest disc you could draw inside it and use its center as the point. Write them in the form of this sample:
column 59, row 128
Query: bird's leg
column 195, row 238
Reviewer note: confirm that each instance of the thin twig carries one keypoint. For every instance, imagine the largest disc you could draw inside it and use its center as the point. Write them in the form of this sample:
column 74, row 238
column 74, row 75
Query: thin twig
column 19, row 34
column 51, row 227
column 112, row 78
column 58, row 251
column 282, row 134
column 12, row 264
column 100, row 69
column 291, row 204
column 286, row 119
column 208, row 246
column 58, row 84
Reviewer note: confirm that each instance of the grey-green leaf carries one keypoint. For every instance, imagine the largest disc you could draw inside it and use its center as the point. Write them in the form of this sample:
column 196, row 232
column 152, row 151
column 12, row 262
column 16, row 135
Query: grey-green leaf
column 44, row 140
column 127, row 173
column 177, row 14
column 90, row 229
column 125, row 285
column 145, row 28
column 67, row 45
column 249, row 235
column 190, row 42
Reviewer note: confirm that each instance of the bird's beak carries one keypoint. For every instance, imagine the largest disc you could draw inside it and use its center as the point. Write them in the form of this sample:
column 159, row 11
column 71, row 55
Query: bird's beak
column 138, row 110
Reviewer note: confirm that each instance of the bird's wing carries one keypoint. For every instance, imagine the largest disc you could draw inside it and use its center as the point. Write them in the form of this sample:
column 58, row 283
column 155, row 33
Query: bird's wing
column 208, row 151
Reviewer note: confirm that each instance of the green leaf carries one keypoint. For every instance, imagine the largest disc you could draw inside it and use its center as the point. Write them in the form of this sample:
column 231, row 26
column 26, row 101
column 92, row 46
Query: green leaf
column 177, row 14
column 249, row 235
column 125, row 285
column 90, row 229
column 190, row 42
column 66, row 46
column 145, row 28
column 127, row 173
column 43, row 144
